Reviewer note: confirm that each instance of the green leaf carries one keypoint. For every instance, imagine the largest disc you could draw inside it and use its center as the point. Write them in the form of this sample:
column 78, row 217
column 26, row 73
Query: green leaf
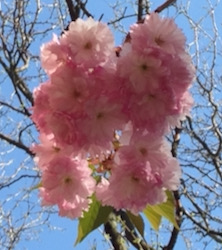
column 137, row 221
column 92, row 219
column 166, row 210
column 153, row 217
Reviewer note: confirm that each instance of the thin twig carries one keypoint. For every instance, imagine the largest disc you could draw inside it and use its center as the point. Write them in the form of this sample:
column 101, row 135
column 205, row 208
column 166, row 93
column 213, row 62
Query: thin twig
column 74, row 14
column 164, row 6
column 140, row 10
column 17, row 179
column 179, row 209
column 17, row 144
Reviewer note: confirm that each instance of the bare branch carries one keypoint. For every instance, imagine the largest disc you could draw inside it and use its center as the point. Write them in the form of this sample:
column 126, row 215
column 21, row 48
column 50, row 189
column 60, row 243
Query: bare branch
column 164, row 6
column 16, row 143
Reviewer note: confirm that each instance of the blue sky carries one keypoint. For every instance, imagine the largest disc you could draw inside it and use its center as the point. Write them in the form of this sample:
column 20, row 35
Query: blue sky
column 63, row 238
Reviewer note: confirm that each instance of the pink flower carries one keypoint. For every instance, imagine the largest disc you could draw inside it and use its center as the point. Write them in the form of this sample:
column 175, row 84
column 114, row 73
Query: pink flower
column 91, row 42
column 143, row 70
column 181, row 73
column 98, row 105
column 67, row 183
column 71, row 210
column 141, row 172
column 48, row 149
column 171, row 174
column 147, row 147
column 131, row 186
column 143, row 146
column 41, row 106
column 104, row 116
column 63, row 127
column 185, row 102
column 150, row 109
column 53, row 55
column 158, row 32
column 70, row 89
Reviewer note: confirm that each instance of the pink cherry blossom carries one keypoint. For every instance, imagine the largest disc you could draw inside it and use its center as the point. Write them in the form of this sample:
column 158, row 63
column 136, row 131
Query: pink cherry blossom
column 150, row 109
column 143, row 70
column 63, row 127
column 181, row 73
column 53, row 55
column 146, row 168
column 48, row 149
column 41, row 107
column 146, row 147
column 185, row 104
column 70, row 88
column 71, row 210
column 105, row 107
column 67, row 183
column 131, row 186
column 104, row 116
column 158, row 32
column 91, row 42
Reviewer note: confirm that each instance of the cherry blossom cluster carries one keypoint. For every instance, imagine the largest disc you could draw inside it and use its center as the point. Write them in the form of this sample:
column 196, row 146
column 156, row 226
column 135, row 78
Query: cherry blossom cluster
column 105, row 111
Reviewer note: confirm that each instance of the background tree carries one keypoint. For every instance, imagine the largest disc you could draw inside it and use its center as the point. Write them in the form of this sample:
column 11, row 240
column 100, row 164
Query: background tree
column 24, row 26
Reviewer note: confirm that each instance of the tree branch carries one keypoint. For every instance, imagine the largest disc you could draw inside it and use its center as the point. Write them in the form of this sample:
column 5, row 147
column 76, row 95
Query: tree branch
column 140, row 10
column 164, row 6
column 17, row 179
column 179, row 209
column 115, row 237
column 17, row 144
column 13, row 108
column 175, row 232
column 131, row 233
column 73, row 10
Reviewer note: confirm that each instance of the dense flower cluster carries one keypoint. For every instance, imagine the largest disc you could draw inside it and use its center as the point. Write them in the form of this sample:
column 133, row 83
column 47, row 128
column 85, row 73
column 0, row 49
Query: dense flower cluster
column 113, row 110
